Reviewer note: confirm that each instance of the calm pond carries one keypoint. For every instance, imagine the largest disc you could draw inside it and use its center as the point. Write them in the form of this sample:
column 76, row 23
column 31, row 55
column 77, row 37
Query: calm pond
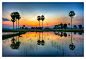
column 47, row 44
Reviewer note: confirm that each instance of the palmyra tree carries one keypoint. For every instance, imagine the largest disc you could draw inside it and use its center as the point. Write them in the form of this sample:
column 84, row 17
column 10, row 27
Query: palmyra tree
column 15, row 16
column 18, row 17
column 42, row 18
column 39, row 18
column 71, row 14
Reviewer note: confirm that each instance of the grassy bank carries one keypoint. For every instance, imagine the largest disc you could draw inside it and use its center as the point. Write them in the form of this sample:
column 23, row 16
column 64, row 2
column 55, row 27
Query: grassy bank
column 12, row 35
column 59, row 30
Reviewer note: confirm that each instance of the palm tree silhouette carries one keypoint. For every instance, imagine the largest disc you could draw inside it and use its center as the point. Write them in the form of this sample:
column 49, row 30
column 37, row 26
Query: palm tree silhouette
column 71, row 14
column 39, row 18
column 13, row 18
column 80, row 26
column 65, row 34
column 65, row 25
column 15, row 44
column 42, row 18
column 18, row 17
column 40, row 42
column 61, row 26
column 71, row 46
column 75, row 26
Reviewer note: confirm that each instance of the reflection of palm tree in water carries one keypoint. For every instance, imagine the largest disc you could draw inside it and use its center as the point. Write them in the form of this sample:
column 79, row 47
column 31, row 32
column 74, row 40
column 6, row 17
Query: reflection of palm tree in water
column 71, row 46
column 18, row 43
column 61, row 34
column 40, row 42
column 15, row 44
column 65, row 34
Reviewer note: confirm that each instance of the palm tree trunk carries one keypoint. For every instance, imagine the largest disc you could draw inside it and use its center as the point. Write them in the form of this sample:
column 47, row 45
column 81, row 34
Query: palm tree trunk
column 16, row 24
column 13, row 25
column 39, row 23
column 42, row 35
column 39, row 35
column 18, row 39
column 42, row 24
column 71, row 37
column 71, row 22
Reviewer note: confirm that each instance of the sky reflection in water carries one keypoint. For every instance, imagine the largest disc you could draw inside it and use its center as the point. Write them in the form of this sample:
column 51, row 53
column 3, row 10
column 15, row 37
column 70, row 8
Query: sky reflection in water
column 44, row 44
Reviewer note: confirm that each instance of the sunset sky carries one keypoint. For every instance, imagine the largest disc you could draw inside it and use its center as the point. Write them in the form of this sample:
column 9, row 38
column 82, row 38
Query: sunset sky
column 54, row 12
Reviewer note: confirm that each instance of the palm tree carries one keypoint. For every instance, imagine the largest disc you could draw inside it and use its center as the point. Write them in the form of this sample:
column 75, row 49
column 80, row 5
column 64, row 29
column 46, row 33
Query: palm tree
column 42, row 18
column 65, row 35
column 61, row 26
column 75, row 26
column 71, row 14
column 65, row 25
column 13, row 18
column 39, row 18
column 18, row 17
column 80, row 26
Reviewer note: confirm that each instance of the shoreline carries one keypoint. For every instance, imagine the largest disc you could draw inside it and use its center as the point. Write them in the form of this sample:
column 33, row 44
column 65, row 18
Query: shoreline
column 41, row 30
column 12, row 35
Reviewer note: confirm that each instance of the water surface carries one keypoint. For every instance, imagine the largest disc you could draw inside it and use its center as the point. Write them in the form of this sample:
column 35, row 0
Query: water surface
column 59, row 44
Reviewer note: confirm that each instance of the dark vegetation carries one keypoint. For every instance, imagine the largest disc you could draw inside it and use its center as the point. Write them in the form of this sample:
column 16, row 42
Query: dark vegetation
column 12, row 35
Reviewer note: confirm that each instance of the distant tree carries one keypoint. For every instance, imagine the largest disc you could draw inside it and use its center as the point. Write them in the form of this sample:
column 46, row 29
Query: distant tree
column 80, row 26
column 42, row 18
column 65, row 25
column 32, row 27
column 56, row 26
column 75, row 26
column 22, row 27
column 36, row 28
column 61, row 26
column 68, row 23
column 71, row 14
column 25, row 27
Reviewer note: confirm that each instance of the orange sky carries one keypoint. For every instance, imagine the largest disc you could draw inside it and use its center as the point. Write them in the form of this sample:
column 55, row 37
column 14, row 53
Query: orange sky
column 54, row 15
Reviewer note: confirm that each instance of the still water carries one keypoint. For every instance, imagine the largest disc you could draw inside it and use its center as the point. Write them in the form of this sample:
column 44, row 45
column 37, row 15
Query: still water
column 47, row 44
column 3, row 33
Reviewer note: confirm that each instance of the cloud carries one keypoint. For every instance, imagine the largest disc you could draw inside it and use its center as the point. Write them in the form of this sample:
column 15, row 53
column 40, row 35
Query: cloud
column 4, row 19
